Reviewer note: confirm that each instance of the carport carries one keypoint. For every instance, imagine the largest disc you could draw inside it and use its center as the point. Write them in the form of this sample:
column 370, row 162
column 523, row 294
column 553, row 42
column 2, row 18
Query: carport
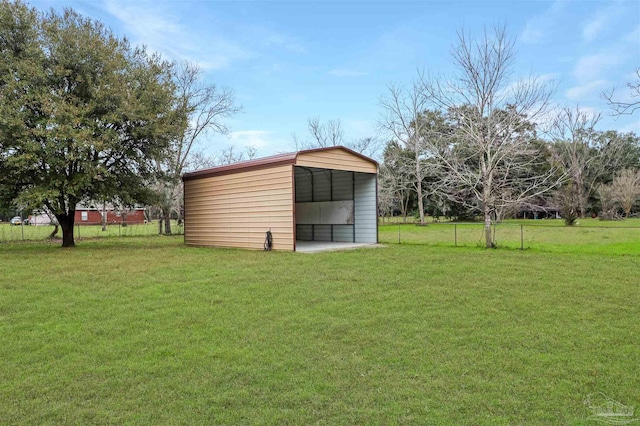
column 326, row 196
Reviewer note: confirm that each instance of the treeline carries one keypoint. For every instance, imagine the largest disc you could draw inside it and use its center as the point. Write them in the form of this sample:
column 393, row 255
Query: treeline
column 482, row 142
column 597, row 173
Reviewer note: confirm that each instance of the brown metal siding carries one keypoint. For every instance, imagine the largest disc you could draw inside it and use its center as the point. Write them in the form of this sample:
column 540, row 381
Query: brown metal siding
column 236, row 210
column 336, row 159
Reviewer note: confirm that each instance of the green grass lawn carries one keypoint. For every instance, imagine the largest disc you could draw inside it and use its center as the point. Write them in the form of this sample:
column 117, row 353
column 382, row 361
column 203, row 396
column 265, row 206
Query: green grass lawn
column 589, row 236
column 33, row 233
column 148, row 331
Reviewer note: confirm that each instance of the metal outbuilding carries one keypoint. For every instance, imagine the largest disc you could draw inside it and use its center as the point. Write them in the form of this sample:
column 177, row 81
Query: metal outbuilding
column 317, row 195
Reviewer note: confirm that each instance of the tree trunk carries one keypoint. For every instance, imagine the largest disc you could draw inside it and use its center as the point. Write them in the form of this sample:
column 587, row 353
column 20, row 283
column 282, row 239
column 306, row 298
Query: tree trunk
column 54, row 232
column 167, row 220
column 487, row 227
column 160, row 226
column 66, row 221
column 419, row 190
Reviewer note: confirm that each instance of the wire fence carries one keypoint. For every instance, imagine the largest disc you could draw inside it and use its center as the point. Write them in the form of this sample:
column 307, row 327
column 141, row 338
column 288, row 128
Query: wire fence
column 618, row 237
column 22, row 232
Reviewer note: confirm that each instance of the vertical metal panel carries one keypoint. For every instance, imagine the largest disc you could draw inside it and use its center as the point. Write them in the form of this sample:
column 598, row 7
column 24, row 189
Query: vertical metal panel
column 342, row 188
column 366, row 220
column 322, row 233
column 303, row 185
column 353, row 191
column 321, row 185
column 343, row 233
column 304, row 232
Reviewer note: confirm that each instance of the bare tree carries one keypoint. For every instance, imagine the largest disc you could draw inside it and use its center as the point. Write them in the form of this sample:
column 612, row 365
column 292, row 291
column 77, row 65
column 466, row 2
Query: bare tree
column 230, row 155
column 574, row 138
column 608, row 204
column 625, row 107
column 402, row 110
column 491, row 162
column 330, row 133
column 203, row 108
column 386, row 195
column 327, row 134
column 626, row 189
column 588, row 157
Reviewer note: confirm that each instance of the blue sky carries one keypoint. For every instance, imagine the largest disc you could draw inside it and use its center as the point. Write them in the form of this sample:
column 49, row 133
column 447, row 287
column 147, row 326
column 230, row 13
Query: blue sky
column 288, row 61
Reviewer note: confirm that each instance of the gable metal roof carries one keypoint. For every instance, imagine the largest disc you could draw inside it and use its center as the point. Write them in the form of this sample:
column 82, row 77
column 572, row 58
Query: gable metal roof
column 266, row 162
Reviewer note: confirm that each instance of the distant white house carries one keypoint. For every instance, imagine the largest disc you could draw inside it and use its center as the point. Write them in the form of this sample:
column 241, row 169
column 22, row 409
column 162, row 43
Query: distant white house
column 40, row 219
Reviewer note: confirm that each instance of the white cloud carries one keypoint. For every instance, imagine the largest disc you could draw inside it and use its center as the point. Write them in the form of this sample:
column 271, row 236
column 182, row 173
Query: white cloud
column 540, row 26
column 631, row 127
column 156, row 27
column 162, row 29
column 344, row 72
column 601, row 20
column 591, row 67
column 591, row 89
column 590, row 112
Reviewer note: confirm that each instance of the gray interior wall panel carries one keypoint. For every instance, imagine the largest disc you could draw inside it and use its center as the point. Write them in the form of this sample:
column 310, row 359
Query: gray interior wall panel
column 302, row 185
column 343, row 233
column 321, row 185
column 303, row 232
column 322, row 233
column 342, row 185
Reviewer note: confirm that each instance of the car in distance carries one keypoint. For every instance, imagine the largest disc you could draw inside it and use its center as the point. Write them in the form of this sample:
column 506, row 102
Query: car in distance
column 16, row 220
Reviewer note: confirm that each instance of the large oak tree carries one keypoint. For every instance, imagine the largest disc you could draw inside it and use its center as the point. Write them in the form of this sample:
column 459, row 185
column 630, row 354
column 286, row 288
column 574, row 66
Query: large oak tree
column 83, row 114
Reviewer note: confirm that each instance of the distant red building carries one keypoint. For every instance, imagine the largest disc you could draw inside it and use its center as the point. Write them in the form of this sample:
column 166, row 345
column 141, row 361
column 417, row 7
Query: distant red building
column 92, row 216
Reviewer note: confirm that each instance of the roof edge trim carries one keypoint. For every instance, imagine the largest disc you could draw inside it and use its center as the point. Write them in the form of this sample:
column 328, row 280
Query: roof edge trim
column 266, row 162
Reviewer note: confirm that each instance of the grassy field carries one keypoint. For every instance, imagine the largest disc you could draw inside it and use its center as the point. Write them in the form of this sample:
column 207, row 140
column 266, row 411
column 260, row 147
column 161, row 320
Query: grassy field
column 36, row 233
column 589, row 236
column 148, row 331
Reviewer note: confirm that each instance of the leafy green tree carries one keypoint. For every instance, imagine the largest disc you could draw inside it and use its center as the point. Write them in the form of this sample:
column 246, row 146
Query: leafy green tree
column 83, row 114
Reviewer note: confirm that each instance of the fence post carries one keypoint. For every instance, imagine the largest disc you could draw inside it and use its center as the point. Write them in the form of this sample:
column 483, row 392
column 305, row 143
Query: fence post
column 521, row 237
column 119, row 230
column 455, row 235
column 78, row 230
column 398, row 232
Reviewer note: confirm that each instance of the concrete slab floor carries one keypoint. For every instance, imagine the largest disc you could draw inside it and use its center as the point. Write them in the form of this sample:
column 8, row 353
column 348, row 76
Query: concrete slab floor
column 319, row 246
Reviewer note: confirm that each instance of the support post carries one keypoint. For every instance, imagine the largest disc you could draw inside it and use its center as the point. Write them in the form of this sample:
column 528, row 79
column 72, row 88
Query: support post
column 353, row 194
column 455, row 235
column 521, row 237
